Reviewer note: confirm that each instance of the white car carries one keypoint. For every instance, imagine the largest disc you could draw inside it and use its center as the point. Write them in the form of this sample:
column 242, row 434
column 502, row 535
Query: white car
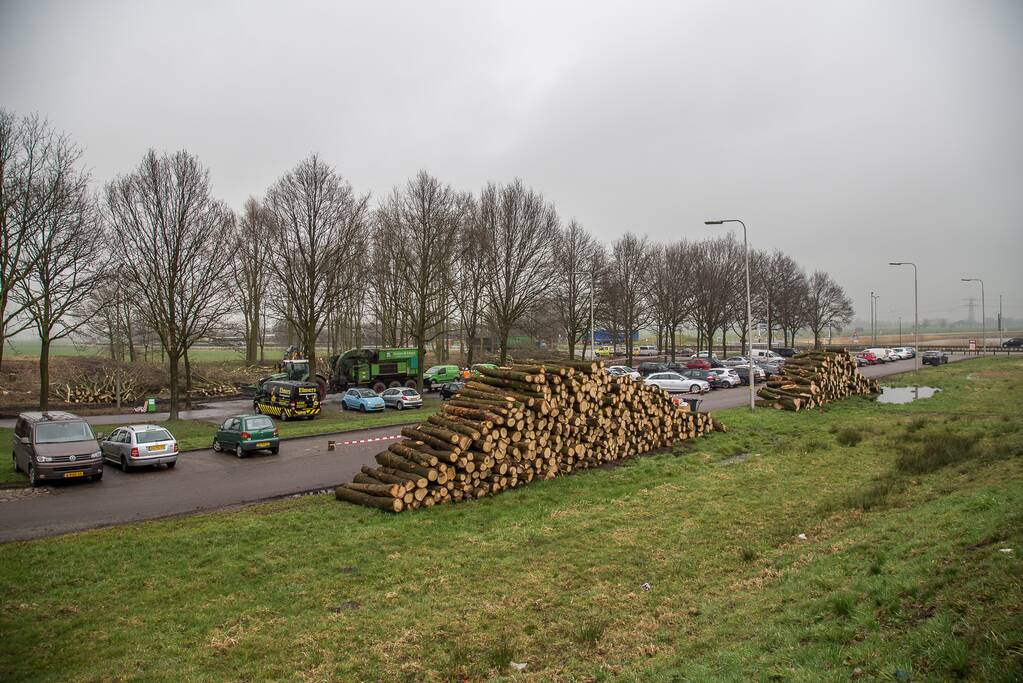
column 735, row 361
column 623, row 371
column 726, row 375
column 902, row 352
column 645, row 350
column 675, row 383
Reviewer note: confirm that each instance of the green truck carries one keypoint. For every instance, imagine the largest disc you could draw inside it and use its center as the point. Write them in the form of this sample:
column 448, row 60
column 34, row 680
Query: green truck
column 294, row 368
column 377, row 369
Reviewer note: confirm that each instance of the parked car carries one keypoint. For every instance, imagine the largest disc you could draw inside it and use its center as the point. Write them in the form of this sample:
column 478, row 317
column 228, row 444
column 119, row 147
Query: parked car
column 449, row 389
column 911, row 351
column 674, row 382
column 784, row 351
column 365, row 400
column 401, row 398
column 604, row 352
column 623, row 370
column 734, row 361
column 646, row 369
column 475, row 368
column 934, row 357
column 247, row 433
column 698, row 364
column 646, row 350
column 869, row 357
column 861, row 361
column 902, row 353
column 1014, row 343
column 725, row 377
column 55, row 445
column 743, row 372
column 438, row 374
column 138, row 445
column 704, row 375
column 770, row 367
column 708, row 356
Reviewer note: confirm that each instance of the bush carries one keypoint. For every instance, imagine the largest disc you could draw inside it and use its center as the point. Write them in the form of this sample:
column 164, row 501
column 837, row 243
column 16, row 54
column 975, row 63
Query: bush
column 849, row 436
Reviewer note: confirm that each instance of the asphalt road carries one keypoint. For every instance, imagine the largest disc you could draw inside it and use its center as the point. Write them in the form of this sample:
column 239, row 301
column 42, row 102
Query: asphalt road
column 204, row 480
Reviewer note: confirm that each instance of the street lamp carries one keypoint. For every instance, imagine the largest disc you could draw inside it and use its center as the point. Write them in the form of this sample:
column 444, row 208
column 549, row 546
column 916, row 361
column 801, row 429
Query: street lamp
column 749, row 307
column 916, row 321
column 983, row 315
column 873, row 316
column 593, row 348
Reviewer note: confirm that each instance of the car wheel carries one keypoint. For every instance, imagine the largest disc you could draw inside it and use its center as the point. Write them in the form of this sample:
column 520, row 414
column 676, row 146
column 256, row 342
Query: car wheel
column 97, row 476
column 217, row 447
column 238, row 451
column 124, row 464
column 171, row 465
column 363, row 407
column 344, row 406
column 694, row 389
column 275, row 451
column 33, row 478
column 398, row 406
column 14, row 462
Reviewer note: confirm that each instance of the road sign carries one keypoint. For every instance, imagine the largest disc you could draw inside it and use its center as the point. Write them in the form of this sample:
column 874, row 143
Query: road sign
column 973, row 345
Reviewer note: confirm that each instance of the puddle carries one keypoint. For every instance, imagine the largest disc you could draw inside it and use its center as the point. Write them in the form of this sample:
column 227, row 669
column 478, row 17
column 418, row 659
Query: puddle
column 905, row 394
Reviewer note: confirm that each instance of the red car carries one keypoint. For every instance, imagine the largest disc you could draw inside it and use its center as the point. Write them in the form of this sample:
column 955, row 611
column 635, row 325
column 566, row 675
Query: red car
column 698, row 364
column 868, row 356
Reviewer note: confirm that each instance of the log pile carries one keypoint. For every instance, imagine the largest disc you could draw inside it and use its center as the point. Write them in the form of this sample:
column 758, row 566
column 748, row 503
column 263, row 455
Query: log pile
column 99, row 386
column 813, row 378
column 520, row 424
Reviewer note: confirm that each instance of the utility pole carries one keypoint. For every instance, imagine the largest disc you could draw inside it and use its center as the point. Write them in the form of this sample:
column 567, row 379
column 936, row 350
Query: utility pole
column 983, row 314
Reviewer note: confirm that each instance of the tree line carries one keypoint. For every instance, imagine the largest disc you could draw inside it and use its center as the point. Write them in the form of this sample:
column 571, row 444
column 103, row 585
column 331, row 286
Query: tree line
column 155, row 254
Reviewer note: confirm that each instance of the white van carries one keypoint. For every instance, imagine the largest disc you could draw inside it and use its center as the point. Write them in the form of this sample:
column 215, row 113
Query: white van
column 766, row 354
column 882, row 354
column 647, row 351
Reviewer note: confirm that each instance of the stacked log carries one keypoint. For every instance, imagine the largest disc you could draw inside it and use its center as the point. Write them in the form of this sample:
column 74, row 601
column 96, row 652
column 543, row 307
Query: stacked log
column 812, row 378
column 519, row 424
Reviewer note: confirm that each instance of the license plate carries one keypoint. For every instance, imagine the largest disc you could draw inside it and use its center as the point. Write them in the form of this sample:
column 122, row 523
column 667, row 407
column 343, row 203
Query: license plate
column 158, row 447
column 74, row 474
column 262, row 444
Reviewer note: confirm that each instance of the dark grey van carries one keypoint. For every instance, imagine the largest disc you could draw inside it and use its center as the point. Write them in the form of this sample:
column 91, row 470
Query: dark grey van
column 55, row 445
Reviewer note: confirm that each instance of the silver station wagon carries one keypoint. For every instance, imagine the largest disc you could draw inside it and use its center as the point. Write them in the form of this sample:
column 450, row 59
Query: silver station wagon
column 138, row 445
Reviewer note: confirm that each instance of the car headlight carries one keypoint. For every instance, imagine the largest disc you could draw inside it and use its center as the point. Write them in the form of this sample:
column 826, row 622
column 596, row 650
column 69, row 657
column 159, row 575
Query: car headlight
column 97, row 454
column 43, row 458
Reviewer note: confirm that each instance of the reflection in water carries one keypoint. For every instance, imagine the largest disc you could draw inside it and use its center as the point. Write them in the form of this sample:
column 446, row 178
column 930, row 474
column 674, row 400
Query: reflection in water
column 905, row 394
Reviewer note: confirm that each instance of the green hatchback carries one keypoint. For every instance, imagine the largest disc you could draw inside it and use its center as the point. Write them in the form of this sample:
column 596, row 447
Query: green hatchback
column 246, row 433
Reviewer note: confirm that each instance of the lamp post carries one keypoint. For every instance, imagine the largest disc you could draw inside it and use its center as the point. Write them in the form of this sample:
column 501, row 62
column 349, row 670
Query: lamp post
column 983, row 315
column 749, row 308
column 916, row 314
column 593, row 348
column 873, row 316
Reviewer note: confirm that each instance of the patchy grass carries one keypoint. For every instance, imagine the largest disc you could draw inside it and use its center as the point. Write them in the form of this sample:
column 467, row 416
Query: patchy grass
column 195, row 435
column 553, row 574
column 849, row 436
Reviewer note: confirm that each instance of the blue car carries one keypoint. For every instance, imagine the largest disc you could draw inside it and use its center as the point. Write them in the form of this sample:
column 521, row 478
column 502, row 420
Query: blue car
column 365, row 400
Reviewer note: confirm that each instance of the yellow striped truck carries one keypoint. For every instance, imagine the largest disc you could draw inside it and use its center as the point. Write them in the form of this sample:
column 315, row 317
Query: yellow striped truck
column 287, row 399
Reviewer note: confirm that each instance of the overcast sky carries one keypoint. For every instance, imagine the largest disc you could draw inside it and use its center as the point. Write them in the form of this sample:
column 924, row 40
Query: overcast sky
column 847, row 134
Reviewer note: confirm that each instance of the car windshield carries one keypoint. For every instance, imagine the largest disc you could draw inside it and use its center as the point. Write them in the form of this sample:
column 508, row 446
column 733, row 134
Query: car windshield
column 153, row 435
column 259, row 423
column 435, row 370
column 367, row 393
column 409, row 392
column 63, row 432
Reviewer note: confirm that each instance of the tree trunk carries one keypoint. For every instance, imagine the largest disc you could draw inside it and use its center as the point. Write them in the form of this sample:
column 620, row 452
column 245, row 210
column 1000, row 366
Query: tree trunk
column 173, row 388
column 253, row 336
column 770, row 321
column 44, row 374
column 188, row 382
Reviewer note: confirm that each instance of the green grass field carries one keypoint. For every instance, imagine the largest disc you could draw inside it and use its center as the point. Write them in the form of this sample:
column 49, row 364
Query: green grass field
column 683, row 566
column 198, row 434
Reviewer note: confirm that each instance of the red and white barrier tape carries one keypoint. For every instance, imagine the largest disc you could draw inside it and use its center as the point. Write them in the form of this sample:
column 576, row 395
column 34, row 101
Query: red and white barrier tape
column 378, row 438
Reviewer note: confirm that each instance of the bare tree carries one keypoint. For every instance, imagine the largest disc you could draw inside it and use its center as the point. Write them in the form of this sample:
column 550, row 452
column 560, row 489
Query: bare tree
column 520, row 228
column 781, row 277
column 627, row 270
column 826, row 305
column 388, row 288
column 38, row 165
column 315, row 218
column 574, row 259
column 470, row 274
column 251, row 271
column 423, row 219
column 173, row 242
column 68, row 265
column 713, row 273
column 788, row 303
column 671, row 293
